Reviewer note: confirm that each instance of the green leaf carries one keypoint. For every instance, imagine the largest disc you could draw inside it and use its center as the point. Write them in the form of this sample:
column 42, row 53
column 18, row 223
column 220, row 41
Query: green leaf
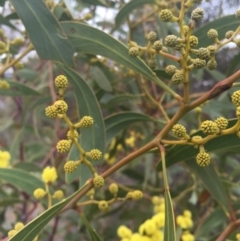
column 212, row 183
column 21, row 179
column 222, row 25
column 44, row 31
column 117, row 122
column 17, row 89
column 100, row 78
column 32, row 229
column 169, row 227
column 96, row 42
column 128, row 8
column 5, row 21
column 6, row 201
column 94, row 236
column 180, row 153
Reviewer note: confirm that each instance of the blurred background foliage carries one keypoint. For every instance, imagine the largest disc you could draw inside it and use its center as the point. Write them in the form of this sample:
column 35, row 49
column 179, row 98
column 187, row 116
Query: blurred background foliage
column 131, row 119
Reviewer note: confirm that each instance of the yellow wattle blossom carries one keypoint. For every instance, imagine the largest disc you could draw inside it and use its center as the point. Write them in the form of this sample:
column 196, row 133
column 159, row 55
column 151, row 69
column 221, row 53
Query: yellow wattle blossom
column 124, row 232
column 4, row 158
column 238, row 236
column 159, row 219
column 130, row 141
column 186, row 236
column 185, row 221
column 49, row 174
column 159, row 208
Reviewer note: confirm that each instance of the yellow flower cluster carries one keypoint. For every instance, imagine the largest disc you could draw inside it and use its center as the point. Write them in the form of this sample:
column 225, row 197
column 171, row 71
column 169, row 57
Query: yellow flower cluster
column 131, row 141
column 4, row 158
column 49, row 174
column 185, row 221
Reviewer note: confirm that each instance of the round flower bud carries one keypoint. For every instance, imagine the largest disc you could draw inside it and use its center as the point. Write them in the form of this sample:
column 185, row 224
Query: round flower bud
column 69, row 134
column 193, row 41
column 236, row 98
column 61, row 81
column 185, row 29
column 58, row 194
column 177, row 78
column 157, row 200
column 113, row 188
column 17, row 41
column 203, row 159
column 197, row 14
column 137, row 194
column 212, row 64
column 98, row 181
column 209, row 127
column 90, row 193
column 12, row 233
column 94, row 154
column 212, row 34
column 166, row 15
column 123, row 232
column 39, row 193
column 179, row 131
column 203, row 53
column 49, row 174
column 19, row 65
column 164, row 49
column 211, row 50
column 237, row 42
column 238, row 14
column 4, row 85
column 70, row 166
column 222, row 123
column 18, row 226
column 85, row 122
column 178, row 47
column 133, row 52
column 61, row 106
column 171, row 40
column 199, row 63
column 152, row 36
column 238, row 111
column 63, row 146
column 103, row 205
column 229, row 34
column 157, row 45
column 129, row 195
column 51, row 111
column 152, row 63
column 170, row 69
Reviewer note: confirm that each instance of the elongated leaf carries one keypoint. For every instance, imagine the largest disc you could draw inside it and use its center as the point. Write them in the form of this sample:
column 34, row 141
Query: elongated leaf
column 6, row 201
column 44, row 31
column 100, row 78
column 117, row 122
column 17, row 89
column 92, row 233
column 32, row 229
column 96, row 42
column 180, row 153
column 169, row 226
column 128, row 8
column 212, row 183
column 21, row 179
column 5, row 21
column 222, row 25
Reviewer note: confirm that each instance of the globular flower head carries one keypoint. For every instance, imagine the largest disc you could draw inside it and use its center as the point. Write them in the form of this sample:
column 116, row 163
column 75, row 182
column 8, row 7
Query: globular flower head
column 17, row 42
column 70, row 166
column 203, row 53
column 212, row 34
column 229, row 34
column 61, row 81
column 98, row 181
column 124, row 232
column 199, row 63
column 177, row 78
column 197, row 14
column 152, row 36
column 85, row 122
column 170, row 69
column 58, row 194
column 49, row 174
column 18, row 226
column 51, row 111
column 166, row 15
column 186, row 236
column 171, row 40
column 238, row 14
column 157, row 45
column 222, row 123
column 152, row 63
column 63, row 146
column 185, row 29
column 211, row 50
column 137, row 194
column 212, row 64
column 61, row 106
column 113, row 188
column 209, row 127
column 157, row 200
column 103, row 205
column 39, row 193
column 237, row 42
column 203, row 159
column 4, row 158
column 4, row 85
column 179, row 131
column 71, row 135
column 12, row 233
column 149, row 227
column 236, row 98
column 193, row 41
column 94, row 154
column 133, row 52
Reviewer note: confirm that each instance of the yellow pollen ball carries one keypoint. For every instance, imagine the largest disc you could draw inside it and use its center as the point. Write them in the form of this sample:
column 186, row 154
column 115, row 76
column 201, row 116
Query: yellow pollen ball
column 49, row 174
